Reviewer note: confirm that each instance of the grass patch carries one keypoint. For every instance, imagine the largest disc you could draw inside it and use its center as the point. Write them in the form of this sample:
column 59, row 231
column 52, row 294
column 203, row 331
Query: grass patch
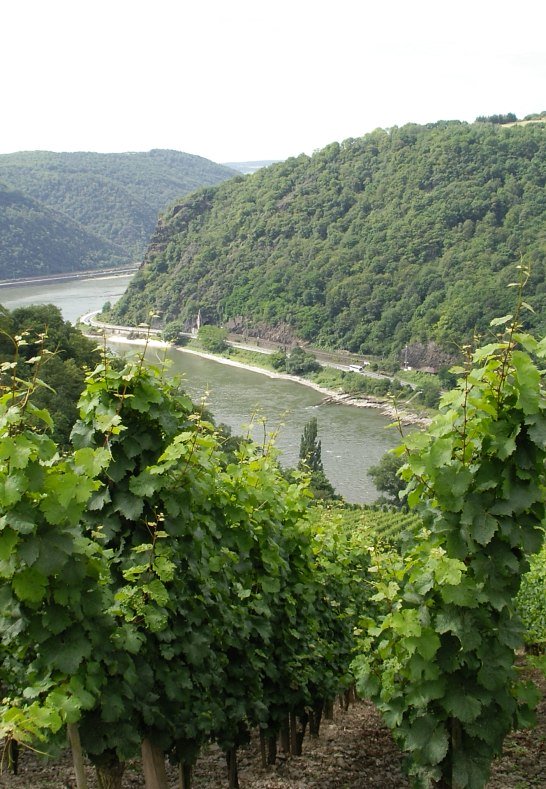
column 254, row 358
column 330, row 378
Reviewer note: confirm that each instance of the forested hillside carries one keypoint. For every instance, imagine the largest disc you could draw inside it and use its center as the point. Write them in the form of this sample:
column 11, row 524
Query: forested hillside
column 114, row 198
column 36, row 240
column 406, row 236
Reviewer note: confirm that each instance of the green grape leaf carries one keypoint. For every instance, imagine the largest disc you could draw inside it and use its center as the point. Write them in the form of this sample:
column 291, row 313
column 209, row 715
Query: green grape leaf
column 30, row 550
column 68, row 650
column 23, row 519
column 85, row 698
column 483, row 528
column 436, row 747
column 427, row 644
column 99, row 499
column 440, row 453
column 90, row 462
column 8, row 541
column 469, row 770
column 461, row 705
column 537, row 429
column 56, row 618
column 30, row 585
column 462, row 594
column 129, row 506
column 427, row 736
column 113, row 708
column 501, row 321
column 451, row 486
column 422, row 693
column 145, row 484
column 12, row 487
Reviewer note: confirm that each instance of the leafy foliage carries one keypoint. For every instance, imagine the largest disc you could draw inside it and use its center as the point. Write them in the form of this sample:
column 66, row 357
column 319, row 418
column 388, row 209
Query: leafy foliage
column 156, row 584
column 439, row 662
column 66, row 355
column 54, row 623
column 508, row 117
column 35, row 240
column 213, row 574
column 213, row 338
column 380, row 526
column 386, row 479
column 173, row 331
column 402, row 237
column 311, row 461
column 76, row 211
column 208, row 606
column 310, row 447
column 296, row 362
column 531, row 602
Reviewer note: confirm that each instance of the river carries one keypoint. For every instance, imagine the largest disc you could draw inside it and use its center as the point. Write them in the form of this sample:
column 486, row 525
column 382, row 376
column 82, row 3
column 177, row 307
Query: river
column 74, row 297
column 352, row 438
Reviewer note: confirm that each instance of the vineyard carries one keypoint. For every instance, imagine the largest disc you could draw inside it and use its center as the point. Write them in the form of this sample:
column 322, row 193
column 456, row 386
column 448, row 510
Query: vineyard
column 379, row 524
column 164, row 587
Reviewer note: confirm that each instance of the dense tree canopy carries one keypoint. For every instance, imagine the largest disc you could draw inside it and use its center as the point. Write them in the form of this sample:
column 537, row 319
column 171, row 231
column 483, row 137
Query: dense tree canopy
column 385, row 477
column 66, row 355
column 75, row 211
column 311, row 461
column 402, row 236
column 311, row 447
column 35, row 240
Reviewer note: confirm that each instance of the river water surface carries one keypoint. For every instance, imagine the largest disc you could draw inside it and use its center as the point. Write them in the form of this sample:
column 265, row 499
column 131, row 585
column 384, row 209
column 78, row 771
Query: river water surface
column 74, row 297
column 352, row 438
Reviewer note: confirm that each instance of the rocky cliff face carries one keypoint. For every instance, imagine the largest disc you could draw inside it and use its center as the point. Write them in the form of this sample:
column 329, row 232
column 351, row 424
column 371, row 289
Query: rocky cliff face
column 426, row 356
column 281, row 333
column 176, row 220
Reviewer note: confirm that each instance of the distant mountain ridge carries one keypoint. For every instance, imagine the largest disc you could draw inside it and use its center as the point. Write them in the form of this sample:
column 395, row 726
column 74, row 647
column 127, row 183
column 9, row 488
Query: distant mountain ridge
column 404, row 237
column 33, row 235
column 114, row 199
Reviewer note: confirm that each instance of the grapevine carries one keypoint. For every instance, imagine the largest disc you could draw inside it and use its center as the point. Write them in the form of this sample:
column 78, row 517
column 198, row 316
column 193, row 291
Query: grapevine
column 440, row 662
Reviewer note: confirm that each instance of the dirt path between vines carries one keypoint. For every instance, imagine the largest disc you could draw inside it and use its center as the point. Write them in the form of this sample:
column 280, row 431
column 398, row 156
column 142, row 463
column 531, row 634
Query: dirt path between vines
column 354, row 751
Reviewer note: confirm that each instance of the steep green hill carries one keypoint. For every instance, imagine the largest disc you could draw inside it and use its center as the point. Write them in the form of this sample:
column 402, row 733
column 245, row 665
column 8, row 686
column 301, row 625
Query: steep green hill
column 115, row 197
column 36, row 240
column 403, row 236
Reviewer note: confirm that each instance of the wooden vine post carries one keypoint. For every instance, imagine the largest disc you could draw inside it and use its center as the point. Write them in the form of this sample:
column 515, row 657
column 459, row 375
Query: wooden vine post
column 153, row 765
column 77, row 755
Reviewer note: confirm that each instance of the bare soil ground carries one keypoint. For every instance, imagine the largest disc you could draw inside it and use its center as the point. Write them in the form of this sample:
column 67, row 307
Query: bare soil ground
column 354, row 751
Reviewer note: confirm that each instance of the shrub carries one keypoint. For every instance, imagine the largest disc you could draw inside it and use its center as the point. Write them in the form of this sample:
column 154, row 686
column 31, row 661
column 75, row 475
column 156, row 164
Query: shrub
column 300, row 362
column 173, row 331
column 213, row 338
column 531, row 601
column 278, row 360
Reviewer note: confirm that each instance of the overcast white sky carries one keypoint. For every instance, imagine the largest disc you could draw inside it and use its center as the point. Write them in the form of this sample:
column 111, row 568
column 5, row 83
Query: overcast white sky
column 236, row 80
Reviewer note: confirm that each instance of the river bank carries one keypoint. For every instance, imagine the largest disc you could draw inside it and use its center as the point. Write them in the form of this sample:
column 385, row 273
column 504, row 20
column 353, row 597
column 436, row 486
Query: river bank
column 107, row 273
column 330, row 395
